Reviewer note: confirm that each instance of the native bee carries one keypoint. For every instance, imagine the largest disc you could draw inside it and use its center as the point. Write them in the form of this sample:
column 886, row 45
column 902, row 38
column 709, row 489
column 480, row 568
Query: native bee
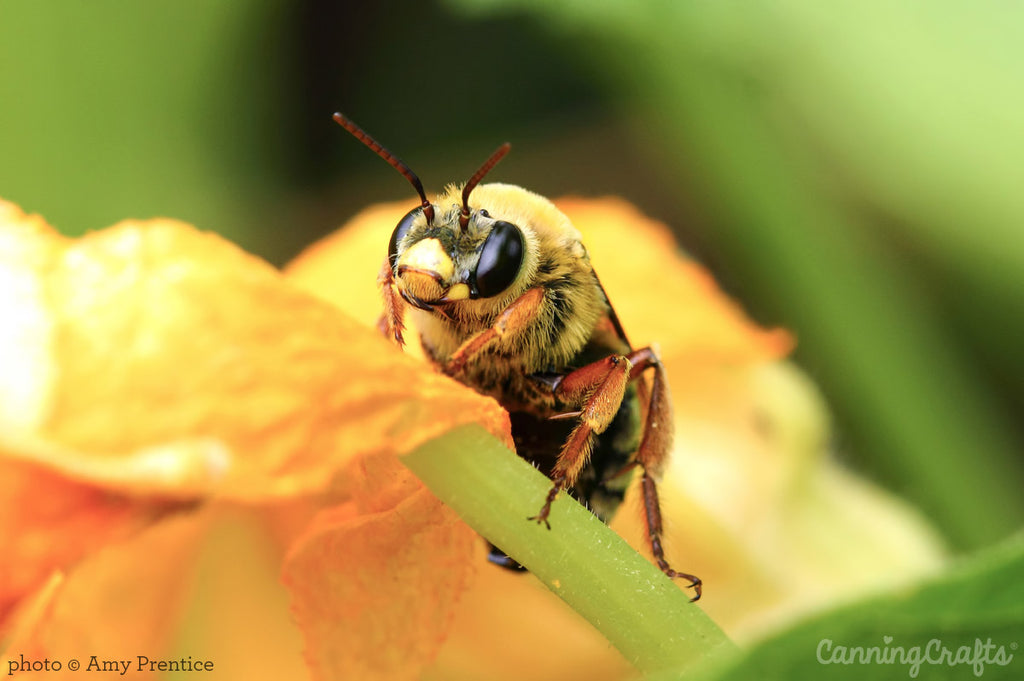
column 506, row 301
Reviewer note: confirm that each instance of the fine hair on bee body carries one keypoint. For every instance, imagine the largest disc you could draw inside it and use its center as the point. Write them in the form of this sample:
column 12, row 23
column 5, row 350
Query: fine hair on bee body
column 503, row 294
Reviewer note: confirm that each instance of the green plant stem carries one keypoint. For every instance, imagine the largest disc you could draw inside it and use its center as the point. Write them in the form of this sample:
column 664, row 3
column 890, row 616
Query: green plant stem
column 641, row 612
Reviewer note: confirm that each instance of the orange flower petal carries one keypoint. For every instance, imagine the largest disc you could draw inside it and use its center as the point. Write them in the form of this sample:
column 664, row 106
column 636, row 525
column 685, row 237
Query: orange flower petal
column 342, row 267
column 661, row 297
column 114, row 605
column 20, row 633
column 168, row 345
column 374, row 593
column 166, row 364
column 238, row 604
column 49, row 523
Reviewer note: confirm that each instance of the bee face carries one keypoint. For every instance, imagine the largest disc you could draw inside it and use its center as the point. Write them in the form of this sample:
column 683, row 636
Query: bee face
column 440, row 261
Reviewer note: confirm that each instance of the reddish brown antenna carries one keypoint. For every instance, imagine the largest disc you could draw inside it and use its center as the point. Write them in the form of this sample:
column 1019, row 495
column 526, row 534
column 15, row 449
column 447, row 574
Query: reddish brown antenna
column 395, row 162
column 475, row 180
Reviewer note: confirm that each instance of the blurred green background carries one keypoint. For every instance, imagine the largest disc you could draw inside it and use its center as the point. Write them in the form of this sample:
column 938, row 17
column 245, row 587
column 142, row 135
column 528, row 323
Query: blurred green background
column 850, row 170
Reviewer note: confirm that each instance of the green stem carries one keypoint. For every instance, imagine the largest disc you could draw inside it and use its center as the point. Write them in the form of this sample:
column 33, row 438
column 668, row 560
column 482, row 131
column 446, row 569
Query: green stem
column 640, row 611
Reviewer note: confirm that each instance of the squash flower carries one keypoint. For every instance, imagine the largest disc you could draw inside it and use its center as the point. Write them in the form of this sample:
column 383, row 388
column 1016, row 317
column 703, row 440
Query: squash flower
column 201, row 466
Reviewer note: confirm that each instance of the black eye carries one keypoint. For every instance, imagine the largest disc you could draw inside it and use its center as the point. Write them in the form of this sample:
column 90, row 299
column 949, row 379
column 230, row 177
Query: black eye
column 500, row 259
column 403, row 227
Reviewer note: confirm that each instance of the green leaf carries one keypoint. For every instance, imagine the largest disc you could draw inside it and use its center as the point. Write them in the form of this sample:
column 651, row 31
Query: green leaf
column 640, row 611
column 975, row 612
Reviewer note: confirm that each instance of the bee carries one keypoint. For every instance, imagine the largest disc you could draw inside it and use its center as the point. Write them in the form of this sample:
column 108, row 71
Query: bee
column 505, row 299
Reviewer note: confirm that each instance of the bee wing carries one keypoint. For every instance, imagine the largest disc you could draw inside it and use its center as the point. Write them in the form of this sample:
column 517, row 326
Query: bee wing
column 612, row 316
column 643, row 389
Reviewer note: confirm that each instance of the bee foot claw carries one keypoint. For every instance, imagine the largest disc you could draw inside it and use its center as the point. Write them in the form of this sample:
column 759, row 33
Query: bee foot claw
column 695, row 582
column 540, row 519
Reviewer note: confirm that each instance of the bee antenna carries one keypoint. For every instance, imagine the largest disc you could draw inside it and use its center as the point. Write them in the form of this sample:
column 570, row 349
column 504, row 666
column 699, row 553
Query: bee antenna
column 395, row 162
column 475, row 180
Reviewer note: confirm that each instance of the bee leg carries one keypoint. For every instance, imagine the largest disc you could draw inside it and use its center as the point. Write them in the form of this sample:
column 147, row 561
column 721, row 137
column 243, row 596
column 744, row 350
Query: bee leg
column 390, row 323
column 651, row 456
column 600, row 386
column 516, row 317
column 652, row 512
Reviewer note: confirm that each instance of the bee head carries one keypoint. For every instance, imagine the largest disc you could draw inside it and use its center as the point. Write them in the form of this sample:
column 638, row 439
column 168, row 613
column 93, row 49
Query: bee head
column 440, row 261
column 447, row 252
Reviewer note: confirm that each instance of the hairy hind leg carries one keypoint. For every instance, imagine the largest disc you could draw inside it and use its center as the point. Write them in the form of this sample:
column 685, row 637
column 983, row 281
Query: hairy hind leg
column 652, row 456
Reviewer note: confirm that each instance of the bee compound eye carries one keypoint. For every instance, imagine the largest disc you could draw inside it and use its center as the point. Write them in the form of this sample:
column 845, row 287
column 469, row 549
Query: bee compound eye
column 401, row 229
column 500, row 259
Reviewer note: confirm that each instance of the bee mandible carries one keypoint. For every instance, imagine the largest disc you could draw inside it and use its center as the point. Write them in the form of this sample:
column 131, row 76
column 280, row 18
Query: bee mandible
column 506, row 301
